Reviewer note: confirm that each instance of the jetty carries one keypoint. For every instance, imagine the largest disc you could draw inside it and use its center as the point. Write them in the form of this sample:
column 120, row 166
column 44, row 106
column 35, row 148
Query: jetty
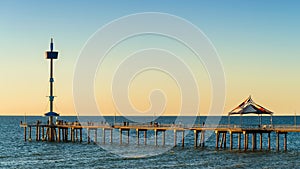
column 73, row 132
column 60, row 131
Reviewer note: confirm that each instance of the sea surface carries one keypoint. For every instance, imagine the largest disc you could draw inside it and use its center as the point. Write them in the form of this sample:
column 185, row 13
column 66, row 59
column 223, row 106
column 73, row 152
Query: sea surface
column 16, row 153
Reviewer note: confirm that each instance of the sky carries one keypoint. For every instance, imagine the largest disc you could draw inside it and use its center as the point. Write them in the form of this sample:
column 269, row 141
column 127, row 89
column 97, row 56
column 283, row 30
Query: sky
column 257, row 42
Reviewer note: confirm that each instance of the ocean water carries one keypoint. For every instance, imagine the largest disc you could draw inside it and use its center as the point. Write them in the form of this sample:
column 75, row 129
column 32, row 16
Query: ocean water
column 16, row 153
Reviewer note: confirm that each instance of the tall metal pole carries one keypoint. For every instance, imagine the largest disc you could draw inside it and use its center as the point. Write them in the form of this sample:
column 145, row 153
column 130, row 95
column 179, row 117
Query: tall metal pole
column 51, row 97
column 51, row 129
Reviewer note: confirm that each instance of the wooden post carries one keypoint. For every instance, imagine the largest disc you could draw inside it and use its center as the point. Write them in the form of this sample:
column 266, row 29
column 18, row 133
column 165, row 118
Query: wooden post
column 269, row 141
column 29, row 133
column 145, row 137
column 120, row 136
column 202, row 137
column 137, row 136
column 76, row 134
column 155, row 137
column 245, row 141
column 260, row 141
column 63, row 134
column 230, row 133
column 224, row 135
column 239, row 141
column 103, row 135
column 111, row 136
column 43, row 133
column 68, row 134
column 88, row 135
column 195, row 138
column 80, row 135
column 182, row 139
column 285, row 141
column 175, row 137
column 37, row 132
column 71, row 135
column 223, row 140
column 253, row 141
column 97, row 136
column 217, row 139
column 55, row 134
column 25, row 132
column 58, row 137
column 66, row 130
column 163, row 139
column 128, row 136
column 277, row 141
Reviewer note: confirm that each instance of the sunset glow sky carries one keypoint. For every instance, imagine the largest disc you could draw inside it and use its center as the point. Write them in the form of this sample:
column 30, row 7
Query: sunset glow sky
column 257, row 41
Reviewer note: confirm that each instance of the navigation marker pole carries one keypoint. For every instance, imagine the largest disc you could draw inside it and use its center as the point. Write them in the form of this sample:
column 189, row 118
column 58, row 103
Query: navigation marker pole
column 51, row 129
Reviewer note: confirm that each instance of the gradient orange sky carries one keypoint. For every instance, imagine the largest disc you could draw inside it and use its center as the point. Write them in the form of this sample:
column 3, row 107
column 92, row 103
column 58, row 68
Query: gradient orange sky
column 257, row 41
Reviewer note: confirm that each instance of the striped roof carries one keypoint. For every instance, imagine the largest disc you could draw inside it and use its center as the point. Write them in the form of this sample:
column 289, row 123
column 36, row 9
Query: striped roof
column 249, row 107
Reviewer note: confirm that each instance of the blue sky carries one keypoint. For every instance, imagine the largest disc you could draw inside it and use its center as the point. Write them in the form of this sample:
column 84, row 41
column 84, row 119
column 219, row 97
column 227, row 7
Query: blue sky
column 257, row 40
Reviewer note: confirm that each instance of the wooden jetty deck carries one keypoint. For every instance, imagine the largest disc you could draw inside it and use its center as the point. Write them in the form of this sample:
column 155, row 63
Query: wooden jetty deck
column 65, row 132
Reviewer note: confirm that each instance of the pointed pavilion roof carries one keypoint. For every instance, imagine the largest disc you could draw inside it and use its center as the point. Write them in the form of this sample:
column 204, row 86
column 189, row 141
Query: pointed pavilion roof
column 51, row 114
column 249, row 107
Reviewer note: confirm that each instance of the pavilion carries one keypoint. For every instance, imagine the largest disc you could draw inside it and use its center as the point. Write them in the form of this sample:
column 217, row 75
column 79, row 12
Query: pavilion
column 250, row 107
